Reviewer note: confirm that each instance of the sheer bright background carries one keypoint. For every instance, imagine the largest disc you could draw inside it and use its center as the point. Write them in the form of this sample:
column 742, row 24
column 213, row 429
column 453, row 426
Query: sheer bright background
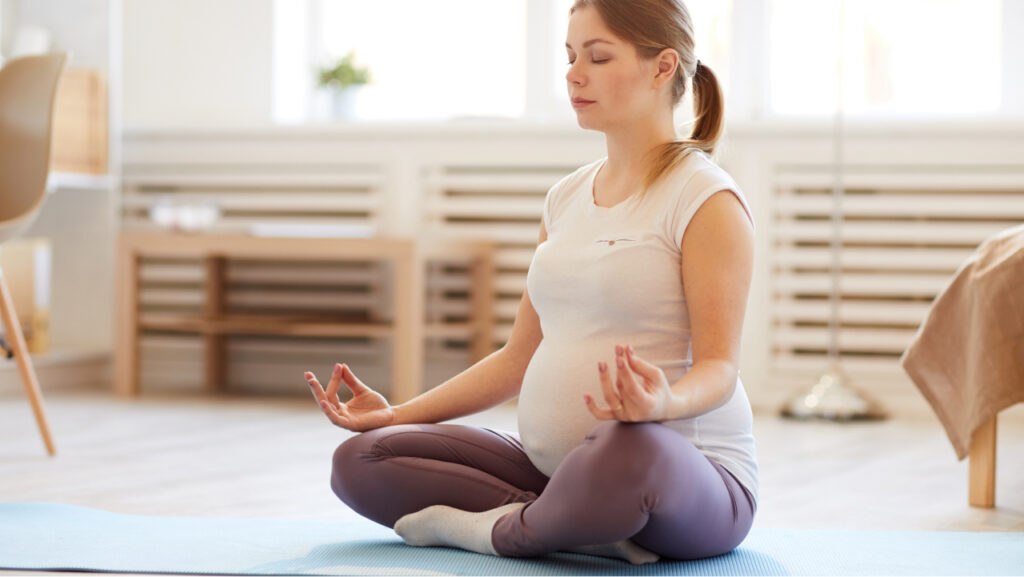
column 432, row 60
column 453, row 59
column 901, row 58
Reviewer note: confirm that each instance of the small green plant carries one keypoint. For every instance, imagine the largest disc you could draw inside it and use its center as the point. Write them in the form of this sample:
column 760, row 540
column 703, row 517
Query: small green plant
column 343, row 73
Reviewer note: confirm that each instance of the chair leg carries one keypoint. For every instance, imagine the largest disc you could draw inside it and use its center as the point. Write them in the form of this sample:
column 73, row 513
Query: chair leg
column 28, row 373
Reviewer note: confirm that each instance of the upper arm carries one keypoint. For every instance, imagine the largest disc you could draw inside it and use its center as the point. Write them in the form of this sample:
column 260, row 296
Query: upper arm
column 526, row 334
column 717, row 264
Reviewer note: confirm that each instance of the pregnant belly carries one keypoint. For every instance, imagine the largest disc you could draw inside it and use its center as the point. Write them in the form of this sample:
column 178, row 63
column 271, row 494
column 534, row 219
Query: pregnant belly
column 553, row 419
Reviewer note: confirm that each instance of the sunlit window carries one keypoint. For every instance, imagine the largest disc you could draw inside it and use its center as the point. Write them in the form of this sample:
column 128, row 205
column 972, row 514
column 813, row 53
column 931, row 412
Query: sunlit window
column 431, row 60
column 899, row 58
column 445, row 59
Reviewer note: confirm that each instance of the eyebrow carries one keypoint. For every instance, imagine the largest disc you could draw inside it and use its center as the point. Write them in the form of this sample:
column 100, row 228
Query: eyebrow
column 591, row 41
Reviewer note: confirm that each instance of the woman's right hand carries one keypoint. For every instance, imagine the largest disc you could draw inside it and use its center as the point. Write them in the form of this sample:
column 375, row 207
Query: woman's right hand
column 366, row 410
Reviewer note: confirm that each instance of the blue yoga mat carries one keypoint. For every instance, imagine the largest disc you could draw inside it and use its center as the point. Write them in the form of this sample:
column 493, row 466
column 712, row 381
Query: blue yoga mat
column 47, row 536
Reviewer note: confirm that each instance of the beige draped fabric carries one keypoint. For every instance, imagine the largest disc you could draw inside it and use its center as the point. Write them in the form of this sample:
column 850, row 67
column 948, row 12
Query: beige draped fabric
column 967, row 358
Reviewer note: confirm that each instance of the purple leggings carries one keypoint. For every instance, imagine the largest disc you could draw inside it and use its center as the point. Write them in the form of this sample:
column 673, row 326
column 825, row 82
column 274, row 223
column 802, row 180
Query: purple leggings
column 638, row 481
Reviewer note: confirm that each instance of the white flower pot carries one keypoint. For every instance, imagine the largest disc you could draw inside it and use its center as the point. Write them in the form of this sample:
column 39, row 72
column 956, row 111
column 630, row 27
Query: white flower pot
column 343, row 102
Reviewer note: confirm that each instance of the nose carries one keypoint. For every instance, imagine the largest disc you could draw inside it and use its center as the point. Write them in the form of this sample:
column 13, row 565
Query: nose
column 573, row 76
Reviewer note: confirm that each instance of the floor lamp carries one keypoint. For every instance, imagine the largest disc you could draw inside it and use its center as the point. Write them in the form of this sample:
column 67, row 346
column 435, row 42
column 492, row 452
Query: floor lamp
column 832, row 398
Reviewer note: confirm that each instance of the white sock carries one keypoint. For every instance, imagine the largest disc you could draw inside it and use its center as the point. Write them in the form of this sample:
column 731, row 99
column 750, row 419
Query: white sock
column 624, row 549
column 443, row 526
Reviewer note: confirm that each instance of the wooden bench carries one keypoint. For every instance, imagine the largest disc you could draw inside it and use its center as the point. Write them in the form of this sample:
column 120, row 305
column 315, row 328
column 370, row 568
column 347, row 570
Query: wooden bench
column 407, row 331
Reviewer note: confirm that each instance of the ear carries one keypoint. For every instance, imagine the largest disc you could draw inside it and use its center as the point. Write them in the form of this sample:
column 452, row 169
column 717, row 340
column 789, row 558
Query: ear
column 667, row 62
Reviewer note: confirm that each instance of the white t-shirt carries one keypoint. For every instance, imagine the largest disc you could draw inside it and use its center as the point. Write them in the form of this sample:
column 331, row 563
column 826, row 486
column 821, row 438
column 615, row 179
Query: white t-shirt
column 612, row 275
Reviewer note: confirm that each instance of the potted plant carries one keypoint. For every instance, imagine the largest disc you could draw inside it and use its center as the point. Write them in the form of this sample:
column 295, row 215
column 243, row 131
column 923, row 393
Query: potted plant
column 342, row 79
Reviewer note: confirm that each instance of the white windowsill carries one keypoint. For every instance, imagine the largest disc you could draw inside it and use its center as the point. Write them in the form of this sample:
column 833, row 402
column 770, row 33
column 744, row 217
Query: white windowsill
column 514, row 128
column 77, row 181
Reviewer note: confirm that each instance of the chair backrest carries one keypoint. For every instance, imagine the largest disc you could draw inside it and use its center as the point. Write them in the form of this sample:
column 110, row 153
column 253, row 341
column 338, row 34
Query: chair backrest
column 28, row 87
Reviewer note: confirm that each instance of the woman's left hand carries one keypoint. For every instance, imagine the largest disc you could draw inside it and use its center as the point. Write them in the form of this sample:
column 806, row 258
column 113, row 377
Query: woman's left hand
column 639, row 393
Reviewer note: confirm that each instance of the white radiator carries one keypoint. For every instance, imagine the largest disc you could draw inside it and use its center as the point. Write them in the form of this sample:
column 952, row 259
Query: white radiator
column 904, row 234
column 920, row 197
column 502, row 203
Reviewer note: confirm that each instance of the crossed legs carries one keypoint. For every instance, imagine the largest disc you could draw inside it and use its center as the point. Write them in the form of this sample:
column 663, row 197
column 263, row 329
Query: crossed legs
column 388, row 473
column 643, row 482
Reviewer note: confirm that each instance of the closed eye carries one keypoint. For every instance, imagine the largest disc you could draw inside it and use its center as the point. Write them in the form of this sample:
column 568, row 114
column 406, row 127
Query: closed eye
column 571, row 62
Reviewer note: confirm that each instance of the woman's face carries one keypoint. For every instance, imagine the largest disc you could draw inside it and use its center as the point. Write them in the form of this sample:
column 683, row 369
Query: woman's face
column 605, row 70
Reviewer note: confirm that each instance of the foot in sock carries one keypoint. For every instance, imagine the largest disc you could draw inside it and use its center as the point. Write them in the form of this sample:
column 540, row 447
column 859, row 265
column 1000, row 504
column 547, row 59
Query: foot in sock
column 624, row 549
column 443, row 526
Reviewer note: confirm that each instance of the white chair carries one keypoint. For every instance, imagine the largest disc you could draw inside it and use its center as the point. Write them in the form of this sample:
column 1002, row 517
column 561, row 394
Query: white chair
column 28, row 87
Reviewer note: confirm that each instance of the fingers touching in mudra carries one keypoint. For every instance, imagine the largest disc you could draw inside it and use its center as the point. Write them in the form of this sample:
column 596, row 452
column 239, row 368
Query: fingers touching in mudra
column 367, row 409
column 638, row 391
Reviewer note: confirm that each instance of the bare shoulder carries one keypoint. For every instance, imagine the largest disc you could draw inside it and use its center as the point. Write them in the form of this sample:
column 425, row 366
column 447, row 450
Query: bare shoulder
column 722, row 216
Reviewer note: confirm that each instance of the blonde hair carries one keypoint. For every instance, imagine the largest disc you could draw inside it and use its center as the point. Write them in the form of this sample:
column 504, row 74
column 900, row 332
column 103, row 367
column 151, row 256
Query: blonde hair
column 652, row 26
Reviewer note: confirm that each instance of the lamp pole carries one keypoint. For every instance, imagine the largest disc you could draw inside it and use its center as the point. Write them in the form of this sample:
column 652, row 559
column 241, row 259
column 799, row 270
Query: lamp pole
column 832, row 398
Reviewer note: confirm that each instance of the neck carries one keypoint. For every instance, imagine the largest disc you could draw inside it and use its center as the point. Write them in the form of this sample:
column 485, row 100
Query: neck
column 628, row 148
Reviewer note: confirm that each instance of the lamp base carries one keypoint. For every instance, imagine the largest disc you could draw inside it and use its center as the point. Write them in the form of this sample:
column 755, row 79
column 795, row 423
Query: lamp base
column 831, row 399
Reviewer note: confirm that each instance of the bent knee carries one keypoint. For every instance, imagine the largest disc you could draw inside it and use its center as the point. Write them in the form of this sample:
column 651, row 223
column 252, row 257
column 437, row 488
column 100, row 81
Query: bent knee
column 350, row 463
column 348, row 454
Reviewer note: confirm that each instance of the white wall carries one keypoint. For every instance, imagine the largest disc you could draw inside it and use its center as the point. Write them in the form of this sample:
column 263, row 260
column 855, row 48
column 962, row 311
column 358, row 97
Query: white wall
column 1013, row 51
column 197, row 63
column 6, row 12
column 78, row 221
column 76, row 26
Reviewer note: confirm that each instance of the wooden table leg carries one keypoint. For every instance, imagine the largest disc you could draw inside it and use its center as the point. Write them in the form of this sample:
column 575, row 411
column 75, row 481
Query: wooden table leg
column 126, row 350
column 982, row 463
column 482, row 299
column 214, row 349
column 407, row 336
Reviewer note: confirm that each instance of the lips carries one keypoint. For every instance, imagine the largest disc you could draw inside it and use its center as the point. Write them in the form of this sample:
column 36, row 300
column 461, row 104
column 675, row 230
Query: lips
column 581, row 101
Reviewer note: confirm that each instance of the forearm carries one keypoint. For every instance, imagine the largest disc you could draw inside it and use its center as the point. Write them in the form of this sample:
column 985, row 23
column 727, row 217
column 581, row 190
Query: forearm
column 706, row 386
column 490, row 382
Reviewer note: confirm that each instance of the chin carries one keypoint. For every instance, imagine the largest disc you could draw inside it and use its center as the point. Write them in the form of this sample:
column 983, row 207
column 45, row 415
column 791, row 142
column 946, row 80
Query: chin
column 586, row 123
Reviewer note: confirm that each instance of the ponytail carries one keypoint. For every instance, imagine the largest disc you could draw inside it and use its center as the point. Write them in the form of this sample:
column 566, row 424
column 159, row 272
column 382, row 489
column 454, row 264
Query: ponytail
column 709, row 120
column 708, row 109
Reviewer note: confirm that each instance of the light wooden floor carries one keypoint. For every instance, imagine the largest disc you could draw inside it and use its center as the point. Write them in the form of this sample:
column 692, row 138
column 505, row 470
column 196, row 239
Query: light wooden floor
column 195, row 455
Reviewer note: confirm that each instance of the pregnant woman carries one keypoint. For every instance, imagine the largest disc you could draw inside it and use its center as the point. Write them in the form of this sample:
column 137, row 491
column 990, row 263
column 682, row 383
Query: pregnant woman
column 634, row 428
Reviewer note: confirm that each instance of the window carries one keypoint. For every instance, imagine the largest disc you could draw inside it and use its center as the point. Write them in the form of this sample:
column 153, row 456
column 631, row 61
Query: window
column 448, row 59
column 430, row 60
column 907, row 58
